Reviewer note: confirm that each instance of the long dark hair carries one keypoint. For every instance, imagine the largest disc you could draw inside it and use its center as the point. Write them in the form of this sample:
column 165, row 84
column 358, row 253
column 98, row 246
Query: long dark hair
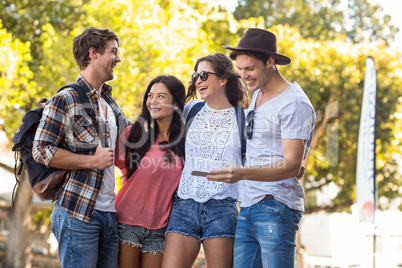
column 223, row 66
column 139, row 141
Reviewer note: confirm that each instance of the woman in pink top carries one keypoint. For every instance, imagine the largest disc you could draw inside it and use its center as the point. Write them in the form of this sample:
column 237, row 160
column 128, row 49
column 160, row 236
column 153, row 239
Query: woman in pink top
column 151, row 163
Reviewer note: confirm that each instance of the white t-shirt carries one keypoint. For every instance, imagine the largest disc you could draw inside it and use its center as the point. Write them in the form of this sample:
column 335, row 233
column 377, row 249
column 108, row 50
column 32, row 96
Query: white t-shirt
column 211, row 142
column 107, row 197
column 289, row 115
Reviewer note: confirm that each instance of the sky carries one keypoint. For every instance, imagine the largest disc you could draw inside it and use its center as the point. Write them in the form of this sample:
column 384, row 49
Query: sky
column 390, row 7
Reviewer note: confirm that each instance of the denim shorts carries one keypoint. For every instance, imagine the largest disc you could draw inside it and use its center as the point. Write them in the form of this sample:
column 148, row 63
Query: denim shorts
column 214, row 218
column 146, row 239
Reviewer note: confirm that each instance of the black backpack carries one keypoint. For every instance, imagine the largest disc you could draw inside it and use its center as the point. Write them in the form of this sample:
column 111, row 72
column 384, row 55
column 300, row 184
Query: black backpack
column 241, row 121
column 23, row 143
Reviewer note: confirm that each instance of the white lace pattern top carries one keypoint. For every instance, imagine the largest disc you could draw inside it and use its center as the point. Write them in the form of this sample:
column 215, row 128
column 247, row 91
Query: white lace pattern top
column 212, row 142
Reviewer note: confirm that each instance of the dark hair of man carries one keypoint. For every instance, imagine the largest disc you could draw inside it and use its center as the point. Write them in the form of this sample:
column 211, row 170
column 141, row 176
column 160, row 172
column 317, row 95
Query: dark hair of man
column 223, row 66
column 91, row 37
column 139, row 141
column 259, row 56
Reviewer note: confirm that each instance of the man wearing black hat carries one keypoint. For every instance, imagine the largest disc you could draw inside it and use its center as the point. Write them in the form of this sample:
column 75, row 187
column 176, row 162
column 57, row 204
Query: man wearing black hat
column 279, row 129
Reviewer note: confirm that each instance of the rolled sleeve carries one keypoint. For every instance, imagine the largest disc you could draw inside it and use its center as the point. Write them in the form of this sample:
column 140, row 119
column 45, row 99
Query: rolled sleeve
column 43, row 154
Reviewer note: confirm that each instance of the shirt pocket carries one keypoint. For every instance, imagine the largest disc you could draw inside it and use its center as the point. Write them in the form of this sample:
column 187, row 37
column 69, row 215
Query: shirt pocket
column 82, row 130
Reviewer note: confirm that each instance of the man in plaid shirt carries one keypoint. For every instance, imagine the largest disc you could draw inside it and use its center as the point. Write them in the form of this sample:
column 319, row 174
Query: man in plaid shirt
column 84, row 215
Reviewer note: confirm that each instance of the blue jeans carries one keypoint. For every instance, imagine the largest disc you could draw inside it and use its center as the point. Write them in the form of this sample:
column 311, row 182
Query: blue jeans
column 266, row 235
column 82, row 244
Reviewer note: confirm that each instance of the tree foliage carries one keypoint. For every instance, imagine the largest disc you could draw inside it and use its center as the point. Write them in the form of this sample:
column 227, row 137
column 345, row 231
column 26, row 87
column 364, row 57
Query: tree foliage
column 367, row 21
column 323, row 19
column 314, row 18
column 26, row 23
column 15, row 78
column 26, row 18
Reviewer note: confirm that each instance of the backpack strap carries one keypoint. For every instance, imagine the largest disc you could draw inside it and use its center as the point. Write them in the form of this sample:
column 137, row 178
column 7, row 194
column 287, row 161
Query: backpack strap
column 88, row 108
column 193, row 112
column 241, row 122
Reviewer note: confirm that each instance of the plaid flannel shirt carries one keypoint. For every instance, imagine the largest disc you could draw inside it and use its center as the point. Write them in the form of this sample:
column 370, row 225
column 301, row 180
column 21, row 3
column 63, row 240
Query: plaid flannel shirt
column 65, row 124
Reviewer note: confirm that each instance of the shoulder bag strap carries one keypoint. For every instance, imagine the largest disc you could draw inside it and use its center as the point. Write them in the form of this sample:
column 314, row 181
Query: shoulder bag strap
column 241, row 122
column 193, row 112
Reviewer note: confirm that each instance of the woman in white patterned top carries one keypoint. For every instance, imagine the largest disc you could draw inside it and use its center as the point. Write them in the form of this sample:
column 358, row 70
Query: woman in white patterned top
column 205, row 212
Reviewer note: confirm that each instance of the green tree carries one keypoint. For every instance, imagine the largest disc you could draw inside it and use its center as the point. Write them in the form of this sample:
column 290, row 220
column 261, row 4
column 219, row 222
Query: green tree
column 323, row 20
column 25, row 19
column 15, row 78
column 315, row 18
column 27, row 22
column 366, row 21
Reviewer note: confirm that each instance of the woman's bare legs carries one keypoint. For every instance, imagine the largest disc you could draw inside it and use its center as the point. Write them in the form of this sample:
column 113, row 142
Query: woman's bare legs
column 151, row 260
column 129, row 256
column 218, row 252
column 181, row 251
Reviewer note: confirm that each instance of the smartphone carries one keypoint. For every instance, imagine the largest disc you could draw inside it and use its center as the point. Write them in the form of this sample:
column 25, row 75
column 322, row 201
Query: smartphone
column 199, row 173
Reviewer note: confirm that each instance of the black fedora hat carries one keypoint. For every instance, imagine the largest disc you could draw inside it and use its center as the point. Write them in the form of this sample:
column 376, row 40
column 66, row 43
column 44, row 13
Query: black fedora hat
column 262, row 41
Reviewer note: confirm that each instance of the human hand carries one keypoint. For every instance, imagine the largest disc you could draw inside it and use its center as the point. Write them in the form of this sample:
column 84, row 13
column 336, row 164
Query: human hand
column 103, row 157
column 229, row 174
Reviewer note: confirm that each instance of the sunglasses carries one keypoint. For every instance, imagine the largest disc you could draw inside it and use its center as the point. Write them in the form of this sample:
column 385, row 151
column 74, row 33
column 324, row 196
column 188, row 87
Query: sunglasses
column 250, row 124
column 203, row 75
column 106, row 135
column 168, row 156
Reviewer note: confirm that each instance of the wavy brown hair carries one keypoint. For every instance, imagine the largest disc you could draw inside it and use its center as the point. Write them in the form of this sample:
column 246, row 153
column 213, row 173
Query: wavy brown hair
column 223, row 67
